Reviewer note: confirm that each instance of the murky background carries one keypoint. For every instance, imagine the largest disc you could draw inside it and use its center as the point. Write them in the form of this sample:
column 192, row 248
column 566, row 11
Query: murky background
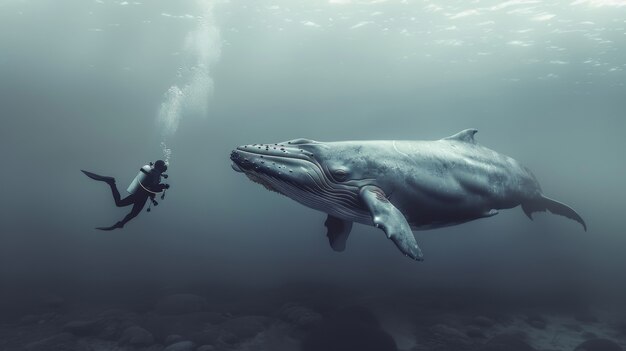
column 108, row 86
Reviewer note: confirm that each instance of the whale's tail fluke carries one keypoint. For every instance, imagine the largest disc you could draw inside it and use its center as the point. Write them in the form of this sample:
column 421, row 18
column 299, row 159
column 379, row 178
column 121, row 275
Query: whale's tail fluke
column 543, row 203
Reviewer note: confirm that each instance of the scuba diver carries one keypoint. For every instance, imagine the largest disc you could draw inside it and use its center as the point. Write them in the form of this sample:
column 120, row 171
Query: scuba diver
column 146, row 185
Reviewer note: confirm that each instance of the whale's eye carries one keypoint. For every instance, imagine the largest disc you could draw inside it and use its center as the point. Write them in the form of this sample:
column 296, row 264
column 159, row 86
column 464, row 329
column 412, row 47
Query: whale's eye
column 340, row 174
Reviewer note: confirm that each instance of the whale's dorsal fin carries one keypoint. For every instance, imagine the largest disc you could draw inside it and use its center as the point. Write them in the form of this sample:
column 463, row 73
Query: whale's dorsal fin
column 465, row 135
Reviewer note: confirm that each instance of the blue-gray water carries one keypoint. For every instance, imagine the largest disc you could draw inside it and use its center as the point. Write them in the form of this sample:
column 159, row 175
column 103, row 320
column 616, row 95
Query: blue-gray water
column 100, row 85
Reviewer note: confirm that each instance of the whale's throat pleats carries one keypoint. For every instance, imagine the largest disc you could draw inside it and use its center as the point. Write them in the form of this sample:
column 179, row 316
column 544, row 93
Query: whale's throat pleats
column 260, row 180
column 318, row 194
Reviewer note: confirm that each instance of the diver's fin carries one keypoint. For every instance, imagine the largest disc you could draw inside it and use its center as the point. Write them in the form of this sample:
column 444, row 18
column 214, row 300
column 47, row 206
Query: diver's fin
column 98, row 177
column 465, row 135
column 391, row 220
column 543, row 203
column 338, row 232
column 114, row 226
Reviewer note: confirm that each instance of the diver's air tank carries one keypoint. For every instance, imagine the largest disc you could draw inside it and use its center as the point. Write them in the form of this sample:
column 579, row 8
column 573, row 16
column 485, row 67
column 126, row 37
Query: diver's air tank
column 142, row 179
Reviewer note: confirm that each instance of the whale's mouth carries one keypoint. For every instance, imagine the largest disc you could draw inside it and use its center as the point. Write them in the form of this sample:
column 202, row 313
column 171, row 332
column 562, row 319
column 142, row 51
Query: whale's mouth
column 271, row 166
column 296, row 173
column 236, row 167
column 283, row 169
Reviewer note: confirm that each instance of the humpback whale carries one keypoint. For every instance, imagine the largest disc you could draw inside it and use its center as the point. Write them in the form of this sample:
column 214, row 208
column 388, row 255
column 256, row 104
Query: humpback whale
column 397, row 186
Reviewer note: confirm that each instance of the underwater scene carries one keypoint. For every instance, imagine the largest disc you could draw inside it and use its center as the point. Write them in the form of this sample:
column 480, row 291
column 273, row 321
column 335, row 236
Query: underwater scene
column 313, row 175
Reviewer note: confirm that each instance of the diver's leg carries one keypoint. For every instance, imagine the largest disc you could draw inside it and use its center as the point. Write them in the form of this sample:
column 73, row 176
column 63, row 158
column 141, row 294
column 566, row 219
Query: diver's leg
column 138, row 205
column 128, row 200
column 119, row 202
column 116, row 195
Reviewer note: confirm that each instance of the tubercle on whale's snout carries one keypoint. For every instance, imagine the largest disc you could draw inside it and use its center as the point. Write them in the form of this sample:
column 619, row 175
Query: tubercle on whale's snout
column 242, row 162
column 239, row 162
column 279, row 150
column 262, row 158
column 233, row 155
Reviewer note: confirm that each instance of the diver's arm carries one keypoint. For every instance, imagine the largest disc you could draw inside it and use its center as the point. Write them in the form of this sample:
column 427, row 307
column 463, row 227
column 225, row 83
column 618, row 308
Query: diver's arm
column 161, row 187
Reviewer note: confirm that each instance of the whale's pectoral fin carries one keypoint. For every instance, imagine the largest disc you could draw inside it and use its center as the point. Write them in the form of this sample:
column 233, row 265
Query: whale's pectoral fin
column 338, row 232
column 387, row 217
column 543, row 203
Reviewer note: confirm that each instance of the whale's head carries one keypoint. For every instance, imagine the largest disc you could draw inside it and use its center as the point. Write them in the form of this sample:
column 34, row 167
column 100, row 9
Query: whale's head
column 323, row 176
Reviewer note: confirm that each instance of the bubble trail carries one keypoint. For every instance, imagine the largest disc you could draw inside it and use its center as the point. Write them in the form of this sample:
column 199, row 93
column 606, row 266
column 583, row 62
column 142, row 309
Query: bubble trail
column 191, row 95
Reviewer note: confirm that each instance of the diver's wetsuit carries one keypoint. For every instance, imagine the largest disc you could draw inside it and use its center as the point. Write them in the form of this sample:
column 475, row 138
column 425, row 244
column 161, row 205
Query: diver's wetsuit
column 138, row 199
